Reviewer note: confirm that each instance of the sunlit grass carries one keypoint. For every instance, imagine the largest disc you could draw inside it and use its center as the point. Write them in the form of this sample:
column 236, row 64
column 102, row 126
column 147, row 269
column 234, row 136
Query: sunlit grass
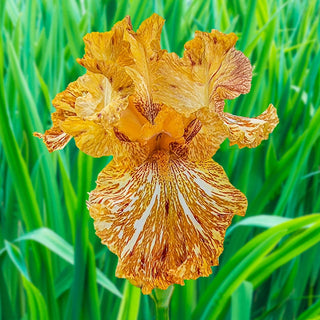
column 52, row 264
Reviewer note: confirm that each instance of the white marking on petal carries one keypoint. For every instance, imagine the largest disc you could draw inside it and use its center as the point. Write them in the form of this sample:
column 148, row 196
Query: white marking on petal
column 206, row 187
column 101, row 225
column 139, row 224
column 131, row 204
column 152, row 244
column 196, row 250
column 161, row 234
column 188, row 213
column 149, row 177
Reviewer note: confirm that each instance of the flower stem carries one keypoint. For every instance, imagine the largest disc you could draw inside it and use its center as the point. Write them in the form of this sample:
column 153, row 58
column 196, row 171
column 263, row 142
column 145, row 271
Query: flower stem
column 162, row 300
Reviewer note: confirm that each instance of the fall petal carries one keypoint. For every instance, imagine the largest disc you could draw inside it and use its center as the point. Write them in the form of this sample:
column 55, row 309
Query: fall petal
column 54, row 138
column 94, row 139
column 165, row 219
column 249, row 132
column 91, row 137
column 213, row 131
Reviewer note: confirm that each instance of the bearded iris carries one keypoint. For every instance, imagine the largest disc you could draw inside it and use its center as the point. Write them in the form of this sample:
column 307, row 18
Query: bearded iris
column 162, row 204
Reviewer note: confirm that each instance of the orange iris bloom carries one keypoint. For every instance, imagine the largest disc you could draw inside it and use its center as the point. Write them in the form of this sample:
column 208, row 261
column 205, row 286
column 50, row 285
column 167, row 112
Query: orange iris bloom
column 162, row 205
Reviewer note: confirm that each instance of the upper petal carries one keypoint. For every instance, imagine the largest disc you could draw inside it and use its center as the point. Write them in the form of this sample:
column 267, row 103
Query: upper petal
column 108, row 46
column 210, row 71
column 88, row 110
column 145, row 50
column 165, row 219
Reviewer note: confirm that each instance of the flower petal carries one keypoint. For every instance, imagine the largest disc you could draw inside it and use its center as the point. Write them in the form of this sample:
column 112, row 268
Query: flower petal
column 145, row 50
column 249, row 132
column 210, row 71
column 108, row 46
column 165, row 219
column 212, row 133
column 88, row 110
column 94, row 139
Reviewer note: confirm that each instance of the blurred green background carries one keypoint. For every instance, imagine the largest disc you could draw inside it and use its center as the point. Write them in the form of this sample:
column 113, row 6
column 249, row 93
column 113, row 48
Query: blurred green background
column 52, row 264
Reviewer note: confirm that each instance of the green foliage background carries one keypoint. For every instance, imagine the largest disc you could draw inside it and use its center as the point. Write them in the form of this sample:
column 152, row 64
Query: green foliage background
column 52, row 264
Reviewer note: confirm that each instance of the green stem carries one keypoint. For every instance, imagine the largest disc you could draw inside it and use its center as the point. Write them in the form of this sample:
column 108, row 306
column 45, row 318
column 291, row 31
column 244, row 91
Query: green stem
column 162, row 300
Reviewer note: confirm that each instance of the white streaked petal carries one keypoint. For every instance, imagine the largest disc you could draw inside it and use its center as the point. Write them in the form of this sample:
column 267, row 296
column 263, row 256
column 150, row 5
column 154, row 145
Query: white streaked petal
column 166, row 218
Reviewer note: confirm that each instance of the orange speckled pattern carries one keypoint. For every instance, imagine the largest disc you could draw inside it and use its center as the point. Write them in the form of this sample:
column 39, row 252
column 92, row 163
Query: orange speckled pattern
column 162, row 205
column 165, row 219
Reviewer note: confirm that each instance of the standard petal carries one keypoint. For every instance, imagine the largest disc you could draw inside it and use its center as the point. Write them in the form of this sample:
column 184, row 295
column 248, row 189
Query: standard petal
column 149, row 34
column 145, row 50
column 210, row 71
column 249, row 132
column 88, row 110
column 108, row 46
column 165, row 219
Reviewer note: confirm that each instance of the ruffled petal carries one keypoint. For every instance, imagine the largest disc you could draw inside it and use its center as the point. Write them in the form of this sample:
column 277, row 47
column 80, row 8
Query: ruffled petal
column 249, row 132
column 149, row 34
column 137, row 51
column 88, row 110
column 108, row 46
column 165, row 219
column 94, row 139
column 145, row 50
column 212, row 132
column 54, row 138
column 210, row 71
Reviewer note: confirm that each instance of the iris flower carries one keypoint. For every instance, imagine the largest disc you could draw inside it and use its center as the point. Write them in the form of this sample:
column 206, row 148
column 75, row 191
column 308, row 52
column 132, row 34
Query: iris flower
column 162, row 205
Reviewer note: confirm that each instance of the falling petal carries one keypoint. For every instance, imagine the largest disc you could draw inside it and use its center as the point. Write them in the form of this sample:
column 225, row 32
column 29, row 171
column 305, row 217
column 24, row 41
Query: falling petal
column 165, row 219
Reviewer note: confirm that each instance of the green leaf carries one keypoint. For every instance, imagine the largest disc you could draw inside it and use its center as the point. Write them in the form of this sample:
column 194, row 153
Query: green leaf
column 230, row 277
column 246, row 262
column 241, row 302
column 129, row 308
column 59, row 246
column 17, row 259
column 312, row 313
column 261, row 221
column 37, row 308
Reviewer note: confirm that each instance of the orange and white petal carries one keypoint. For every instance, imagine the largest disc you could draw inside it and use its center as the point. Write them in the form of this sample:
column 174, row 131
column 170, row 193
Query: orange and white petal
column 166, row 219
column 249, row 132
column 88, row 109
column 92, row 138
column 208, row 137
column 54, row 138
column 210, row 71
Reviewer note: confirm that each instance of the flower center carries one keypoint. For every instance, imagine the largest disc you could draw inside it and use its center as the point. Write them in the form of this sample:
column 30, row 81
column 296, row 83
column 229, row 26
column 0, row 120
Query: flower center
column 167, row 127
